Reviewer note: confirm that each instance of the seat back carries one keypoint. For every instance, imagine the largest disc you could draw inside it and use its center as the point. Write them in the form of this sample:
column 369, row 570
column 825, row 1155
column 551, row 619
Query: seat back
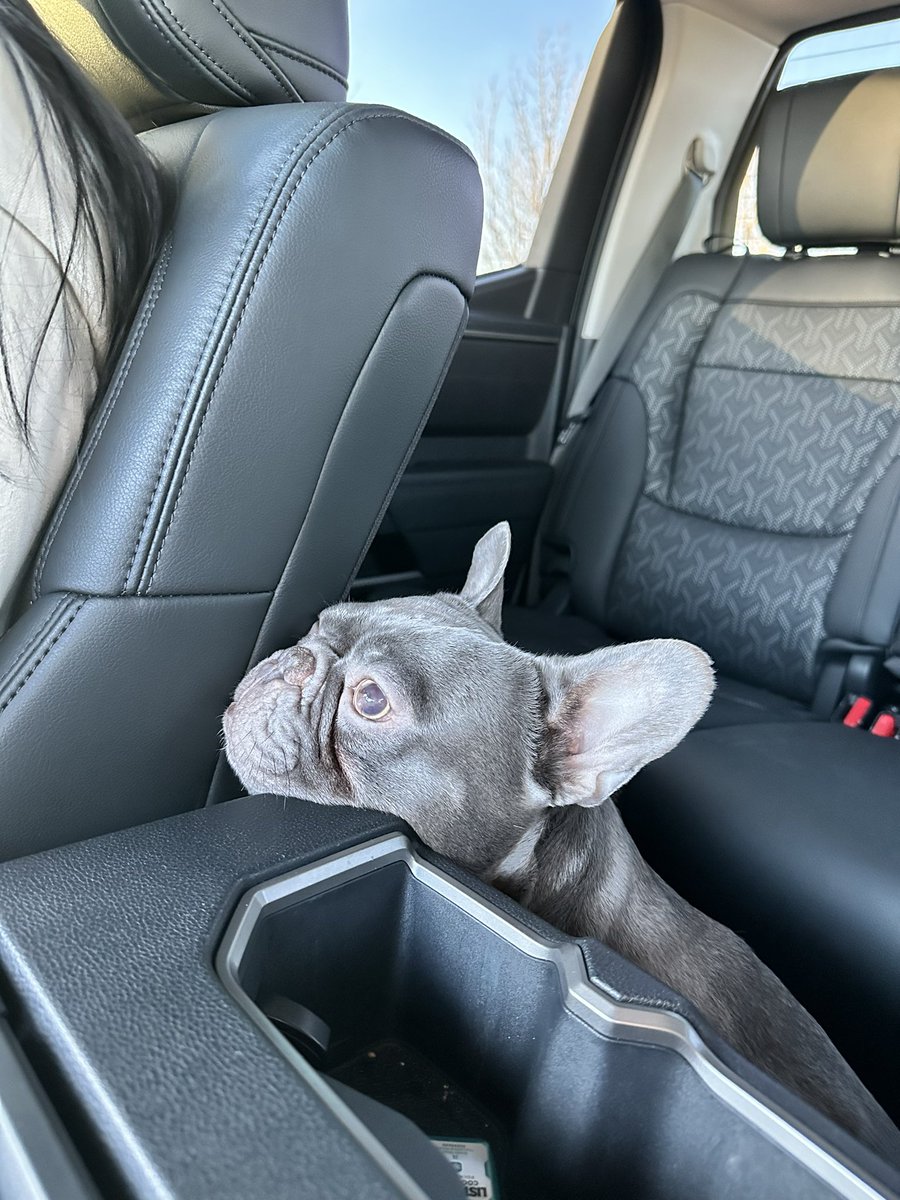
column 738, row 484
column 284, row 359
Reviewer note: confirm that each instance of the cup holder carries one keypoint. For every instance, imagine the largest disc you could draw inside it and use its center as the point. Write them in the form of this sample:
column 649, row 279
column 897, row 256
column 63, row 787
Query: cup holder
column 385, row 974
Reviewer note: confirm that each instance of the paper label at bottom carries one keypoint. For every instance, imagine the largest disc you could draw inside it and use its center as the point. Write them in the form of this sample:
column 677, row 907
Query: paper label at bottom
column 472, row 1162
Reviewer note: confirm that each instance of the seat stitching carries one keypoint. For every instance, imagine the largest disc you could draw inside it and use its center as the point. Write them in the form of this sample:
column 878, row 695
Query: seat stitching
column 231, row 341
column 104, row 415
column 192, row 58
column 338, row 423
column 301, row 146
column 306, row 60
column 689, row 377
column 685, row 398
column 754, row 302
column 787, row 125
column 783, row 533
column 710, row 366
column 78, row 607
column 34, row 639
column 418, row 431
column 225, row 13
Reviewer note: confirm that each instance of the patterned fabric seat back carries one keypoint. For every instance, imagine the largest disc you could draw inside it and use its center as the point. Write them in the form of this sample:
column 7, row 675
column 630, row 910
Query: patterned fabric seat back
column 738, row 484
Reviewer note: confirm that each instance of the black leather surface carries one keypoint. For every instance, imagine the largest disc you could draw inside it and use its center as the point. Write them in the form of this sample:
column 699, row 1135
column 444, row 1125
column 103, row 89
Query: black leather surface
column 789, row 833
column 239, row 52
column 106, row 954
column 290, row 346
column 109, row 947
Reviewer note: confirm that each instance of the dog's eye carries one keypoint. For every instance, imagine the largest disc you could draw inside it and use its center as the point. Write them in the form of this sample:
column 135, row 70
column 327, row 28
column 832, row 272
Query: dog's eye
column 370, row 701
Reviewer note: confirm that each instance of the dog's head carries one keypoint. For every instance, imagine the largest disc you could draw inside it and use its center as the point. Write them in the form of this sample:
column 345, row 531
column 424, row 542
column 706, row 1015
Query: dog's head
column 417, row 707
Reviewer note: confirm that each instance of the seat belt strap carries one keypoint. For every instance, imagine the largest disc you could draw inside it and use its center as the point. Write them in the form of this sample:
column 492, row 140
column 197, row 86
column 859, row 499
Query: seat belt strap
column 637, row 292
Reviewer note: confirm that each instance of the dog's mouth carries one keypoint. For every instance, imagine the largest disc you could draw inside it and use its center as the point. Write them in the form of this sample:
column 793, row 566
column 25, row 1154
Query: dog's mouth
column 261, row 731
column 283, row 722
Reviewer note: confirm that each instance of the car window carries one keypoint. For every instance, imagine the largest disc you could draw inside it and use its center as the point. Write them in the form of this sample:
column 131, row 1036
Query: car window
column 500, row 75
column 823, row 56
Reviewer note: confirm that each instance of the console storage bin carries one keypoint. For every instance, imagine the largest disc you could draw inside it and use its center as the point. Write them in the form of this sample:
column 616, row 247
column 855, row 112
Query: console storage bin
column 441, row 1007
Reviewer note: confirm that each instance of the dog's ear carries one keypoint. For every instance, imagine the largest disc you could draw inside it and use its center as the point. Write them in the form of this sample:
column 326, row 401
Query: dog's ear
column 613, row 711
column 484, row 584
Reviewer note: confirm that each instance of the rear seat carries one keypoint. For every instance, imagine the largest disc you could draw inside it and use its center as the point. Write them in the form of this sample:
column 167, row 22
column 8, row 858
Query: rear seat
column 738, row 484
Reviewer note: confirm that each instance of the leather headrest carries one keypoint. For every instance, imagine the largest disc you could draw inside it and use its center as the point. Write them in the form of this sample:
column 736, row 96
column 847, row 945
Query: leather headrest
column 161, row 59
column 829, row 162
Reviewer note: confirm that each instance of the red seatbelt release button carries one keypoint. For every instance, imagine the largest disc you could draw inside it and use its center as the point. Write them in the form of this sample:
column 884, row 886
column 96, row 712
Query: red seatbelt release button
column 857, row 712
column 884, row 725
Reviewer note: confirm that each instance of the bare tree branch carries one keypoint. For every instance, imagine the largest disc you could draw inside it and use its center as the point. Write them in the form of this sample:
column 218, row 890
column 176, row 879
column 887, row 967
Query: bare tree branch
column 518, row 125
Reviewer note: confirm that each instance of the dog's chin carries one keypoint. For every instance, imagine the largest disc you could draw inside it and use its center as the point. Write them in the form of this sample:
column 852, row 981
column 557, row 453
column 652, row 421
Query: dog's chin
column 256, row 762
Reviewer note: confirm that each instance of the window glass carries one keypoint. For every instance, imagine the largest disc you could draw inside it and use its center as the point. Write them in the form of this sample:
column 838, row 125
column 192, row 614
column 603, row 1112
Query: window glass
column 498, row 74
column 842, row 52
column 823, row 56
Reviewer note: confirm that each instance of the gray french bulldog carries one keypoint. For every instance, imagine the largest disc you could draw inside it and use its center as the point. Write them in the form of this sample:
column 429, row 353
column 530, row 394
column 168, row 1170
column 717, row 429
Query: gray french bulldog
column 505, row 762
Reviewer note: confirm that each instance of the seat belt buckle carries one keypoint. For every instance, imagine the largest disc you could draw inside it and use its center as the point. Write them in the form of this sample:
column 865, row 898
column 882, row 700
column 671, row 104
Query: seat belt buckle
column 854, row 711
column 887, row 723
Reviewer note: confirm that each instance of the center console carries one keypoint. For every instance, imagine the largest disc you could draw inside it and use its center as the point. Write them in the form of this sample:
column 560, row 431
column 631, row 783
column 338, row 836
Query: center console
column 270, row 998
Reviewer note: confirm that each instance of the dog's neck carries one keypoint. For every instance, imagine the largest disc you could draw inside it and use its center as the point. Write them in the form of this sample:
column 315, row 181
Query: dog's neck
column 579, row 869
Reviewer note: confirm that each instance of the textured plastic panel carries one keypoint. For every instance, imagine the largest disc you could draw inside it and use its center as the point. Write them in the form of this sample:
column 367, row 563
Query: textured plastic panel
column 170, row 1089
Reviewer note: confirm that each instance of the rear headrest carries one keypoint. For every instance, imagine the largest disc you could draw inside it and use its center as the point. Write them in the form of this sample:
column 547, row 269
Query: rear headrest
column 159, row 59
column 829, row 162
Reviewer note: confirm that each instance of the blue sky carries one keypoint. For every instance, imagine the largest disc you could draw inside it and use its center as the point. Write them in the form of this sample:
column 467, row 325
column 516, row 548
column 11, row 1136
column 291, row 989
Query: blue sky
column 431, row 59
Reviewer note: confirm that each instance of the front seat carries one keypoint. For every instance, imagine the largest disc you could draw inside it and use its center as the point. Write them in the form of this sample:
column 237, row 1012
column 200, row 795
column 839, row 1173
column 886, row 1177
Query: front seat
column 282, row 363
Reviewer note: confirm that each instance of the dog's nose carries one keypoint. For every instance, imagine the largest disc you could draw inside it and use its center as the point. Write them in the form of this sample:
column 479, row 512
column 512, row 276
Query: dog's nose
column 301, row 666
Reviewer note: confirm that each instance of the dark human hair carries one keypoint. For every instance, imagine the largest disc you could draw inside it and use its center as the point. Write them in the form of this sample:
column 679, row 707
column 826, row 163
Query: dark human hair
column 118, row 194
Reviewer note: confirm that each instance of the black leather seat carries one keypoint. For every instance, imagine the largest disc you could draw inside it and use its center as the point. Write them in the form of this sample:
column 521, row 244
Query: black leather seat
column 283, row 361
column 738, row 484
column 790, row 834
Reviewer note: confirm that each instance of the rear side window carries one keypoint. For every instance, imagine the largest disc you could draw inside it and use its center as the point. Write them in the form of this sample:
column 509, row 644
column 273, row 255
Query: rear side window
column 500, row 75
column 823, row 56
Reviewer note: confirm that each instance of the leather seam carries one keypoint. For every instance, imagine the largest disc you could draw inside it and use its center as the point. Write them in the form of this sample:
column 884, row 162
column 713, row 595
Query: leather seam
column 226, row 306
column 685, row 400
column 757, row 302
column 708, row 366
column 193, row 57
column 244, row 307
column 117, row 597
column 300, row 531
column 416, row 435
column 53, row 641
column 580, row 467
column 229, row 18
column 34, row 639
column 781, row 533
column 306, row 60
column 632, row 508
column 787, row 125
column 104, row 414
